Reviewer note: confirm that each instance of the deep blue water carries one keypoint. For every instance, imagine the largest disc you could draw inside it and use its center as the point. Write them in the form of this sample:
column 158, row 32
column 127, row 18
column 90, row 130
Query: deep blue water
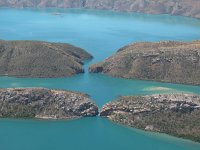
column 101, row 33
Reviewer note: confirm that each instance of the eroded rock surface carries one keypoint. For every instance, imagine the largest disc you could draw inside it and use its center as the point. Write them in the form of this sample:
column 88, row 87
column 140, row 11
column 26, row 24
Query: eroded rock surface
column 174, row 114
column 45, row 104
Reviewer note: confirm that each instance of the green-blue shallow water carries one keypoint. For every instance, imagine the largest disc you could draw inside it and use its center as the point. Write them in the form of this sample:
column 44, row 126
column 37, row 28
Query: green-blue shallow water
column 101, row 33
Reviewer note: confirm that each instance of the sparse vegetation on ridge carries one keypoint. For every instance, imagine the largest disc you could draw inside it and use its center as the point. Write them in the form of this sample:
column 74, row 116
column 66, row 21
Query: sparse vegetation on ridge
column 166, row 61
column 173, row 114
column 40, row 59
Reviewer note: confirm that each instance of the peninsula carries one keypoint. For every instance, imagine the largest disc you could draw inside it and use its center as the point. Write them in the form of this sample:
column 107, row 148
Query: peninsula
column 40, row 59
column 166, row 61
column 174, row 114
column 41, row 103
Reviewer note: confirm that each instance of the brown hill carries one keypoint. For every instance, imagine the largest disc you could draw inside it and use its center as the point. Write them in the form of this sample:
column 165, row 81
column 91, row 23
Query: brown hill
column 176, row 62
column 174, row 114
column 40, row 59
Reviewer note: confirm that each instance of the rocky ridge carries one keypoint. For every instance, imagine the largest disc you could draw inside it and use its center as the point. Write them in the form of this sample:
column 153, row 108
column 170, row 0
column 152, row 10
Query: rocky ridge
column 40, row 59
column 166, row 61
column 174, row 7
column 174, row 114
column 41, row 103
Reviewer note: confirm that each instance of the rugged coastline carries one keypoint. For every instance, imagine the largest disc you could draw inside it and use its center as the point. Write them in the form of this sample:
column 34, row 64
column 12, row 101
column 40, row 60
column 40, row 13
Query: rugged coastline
column 188, row 8
column 173, row 114
column 41, row 103
column 40, row 59
column 166, row 61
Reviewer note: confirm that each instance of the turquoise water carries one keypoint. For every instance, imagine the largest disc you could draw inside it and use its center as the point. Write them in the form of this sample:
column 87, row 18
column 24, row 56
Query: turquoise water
column 101, row 33
column 85, row 134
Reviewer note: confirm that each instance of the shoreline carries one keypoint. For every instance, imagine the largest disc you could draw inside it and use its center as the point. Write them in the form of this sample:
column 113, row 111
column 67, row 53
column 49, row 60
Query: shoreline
column 152, row 133
column 156, row 135
column 101, row 9
column 197, row 85
column 171, row 114
column 96, row 9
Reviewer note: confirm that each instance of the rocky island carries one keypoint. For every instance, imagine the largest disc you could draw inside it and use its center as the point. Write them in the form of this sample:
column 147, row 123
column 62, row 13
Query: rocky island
column 40, row 59
column 174, row 114
column 167, row 61
column 44, row 103
column 174, row 7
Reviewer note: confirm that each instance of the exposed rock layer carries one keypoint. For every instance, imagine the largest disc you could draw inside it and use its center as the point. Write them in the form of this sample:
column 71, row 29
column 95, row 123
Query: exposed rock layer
column 174, row 7
column 45, row 104
column 169, row 61
column 40, row 59
column 174, row 114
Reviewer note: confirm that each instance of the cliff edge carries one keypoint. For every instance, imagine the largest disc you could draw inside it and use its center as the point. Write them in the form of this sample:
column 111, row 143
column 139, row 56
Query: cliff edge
column 44, row 103
column 174, row 114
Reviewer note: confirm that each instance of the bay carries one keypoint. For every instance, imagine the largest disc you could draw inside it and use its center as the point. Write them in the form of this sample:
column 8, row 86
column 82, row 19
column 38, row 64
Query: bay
column 101, row 33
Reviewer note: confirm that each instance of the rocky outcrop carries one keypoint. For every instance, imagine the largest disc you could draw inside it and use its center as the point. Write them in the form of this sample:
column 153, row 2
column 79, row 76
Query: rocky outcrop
column 40, row 59
column 167, row 61
column 173, row 7
column 174, row 114
column 45, row 104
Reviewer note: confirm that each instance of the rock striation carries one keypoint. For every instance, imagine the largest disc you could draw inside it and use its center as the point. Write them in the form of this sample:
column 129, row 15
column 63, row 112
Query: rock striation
column 167, row 61
column 40, row 59
column 44, row 103
column 174, row 114
column 173, row 7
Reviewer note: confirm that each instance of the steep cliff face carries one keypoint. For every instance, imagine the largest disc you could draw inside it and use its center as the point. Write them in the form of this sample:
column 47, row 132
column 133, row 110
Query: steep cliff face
column 174, row 114
column 40, row 59
column 45, row 104
column 174, row 7
column 169, row 61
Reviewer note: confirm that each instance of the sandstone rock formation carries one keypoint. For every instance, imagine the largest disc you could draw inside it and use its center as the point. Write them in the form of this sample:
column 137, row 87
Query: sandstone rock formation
column 40, row 59
column 168, row 61
column 45, row 104
column 173, row 7
column 174, row 114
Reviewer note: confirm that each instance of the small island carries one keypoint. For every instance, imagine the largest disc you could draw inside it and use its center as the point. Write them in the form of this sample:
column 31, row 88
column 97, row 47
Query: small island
column 41, row 103
column 166, row 61
column 174, row 114
column 40, row 59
